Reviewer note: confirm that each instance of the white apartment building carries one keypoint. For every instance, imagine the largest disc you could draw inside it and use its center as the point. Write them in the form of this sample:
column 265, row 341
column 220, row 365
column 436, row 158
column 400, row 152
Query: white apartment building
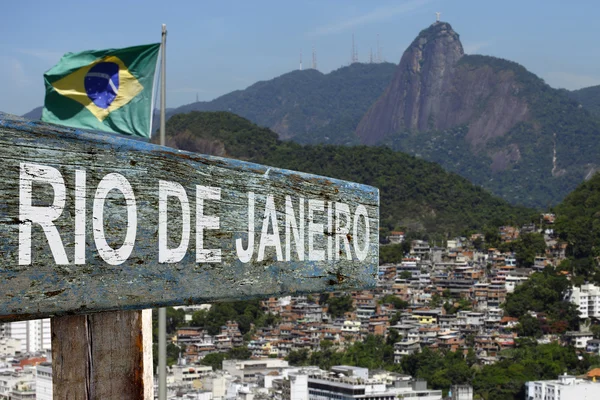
column 34, row 334
column 9, row 346
column 43, row 381
column 351, row 327
column 251, row 368
column 566, row 387
column 324, row 387
column 512, row 281
column 587, row 299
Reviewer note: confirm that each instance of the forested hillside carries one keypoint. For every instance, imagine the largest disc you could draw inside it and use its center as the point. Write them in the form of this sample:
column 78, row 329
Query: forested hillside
column 589, row 98
column 578, row 223
column 415, row 194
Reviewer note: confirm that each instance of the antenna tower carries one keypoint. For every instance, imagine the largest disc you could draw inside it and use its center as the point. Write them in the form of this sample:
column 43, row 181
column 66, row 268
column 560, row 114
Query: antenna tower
column 354, row 58
column 300, row 59
column 371, row 56
column 314, row 58
column 378, row 50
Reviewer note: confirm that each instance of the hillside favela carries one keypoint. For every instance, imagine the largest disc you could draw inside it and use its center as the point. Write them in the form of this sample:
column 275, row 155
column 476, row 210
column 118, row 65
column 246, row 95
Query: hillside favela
column 488, row 277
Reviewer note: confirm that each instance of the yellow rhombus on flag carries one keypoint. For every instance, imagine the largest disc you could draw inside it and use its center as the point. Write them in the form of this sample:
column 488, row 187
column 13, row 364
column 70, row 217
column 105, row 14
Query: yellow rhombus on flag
column 107, row 90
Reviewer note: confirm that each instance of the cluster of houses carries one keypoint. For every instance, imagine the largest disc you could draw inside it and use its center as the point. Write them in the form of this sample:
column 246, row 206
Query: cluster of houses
column 441, row 297
column 451, row 299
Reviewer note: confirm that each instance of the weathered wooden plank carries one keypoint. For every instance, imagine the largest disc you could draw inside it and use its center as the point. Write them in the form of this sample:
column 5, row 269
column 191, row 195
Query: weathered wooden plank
column 92, row 222
column 102, row 356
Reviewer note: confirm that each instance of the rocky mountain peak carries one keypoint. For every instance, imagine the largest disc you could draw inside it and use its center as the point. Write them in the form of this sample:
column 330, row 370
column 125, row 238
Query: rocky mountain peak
column 424, row 75
column 438, row 33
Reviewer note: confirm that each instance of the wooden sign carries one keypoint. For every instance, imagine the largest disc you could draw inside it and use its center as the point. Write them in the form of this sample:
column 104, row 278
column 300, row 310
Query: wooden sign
column 92, row 222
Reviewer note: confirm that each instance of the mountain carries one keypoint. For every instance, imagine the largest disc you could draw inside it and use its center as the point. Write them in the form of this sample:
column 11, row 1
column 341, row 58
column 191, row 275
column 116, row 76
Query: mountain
column 307, row 106
column 578, row 224
column 415, row 194
column 485, row 118
column 589, row 98
column 34, row 114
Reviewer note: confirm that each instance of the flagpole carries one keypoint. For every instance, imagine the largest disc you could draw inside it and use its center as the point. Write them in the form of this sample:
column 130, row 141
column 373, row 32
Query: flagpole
column 162, row 312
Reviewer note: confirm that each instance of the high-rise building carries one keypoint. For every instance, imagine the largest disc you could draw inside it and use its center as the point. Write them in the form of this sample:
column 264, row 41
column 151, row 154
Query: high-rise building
column 34, row 334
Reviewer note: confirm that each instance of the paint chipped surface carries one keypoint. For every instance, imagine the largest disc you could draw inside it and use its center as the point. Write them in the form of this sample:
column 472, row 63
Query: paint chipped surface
column 338, row 247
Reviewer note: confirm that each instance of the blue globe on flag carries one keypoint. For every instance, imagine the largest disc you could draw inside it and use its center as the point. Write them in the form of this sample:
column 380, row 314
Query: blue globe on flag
column 102, row 83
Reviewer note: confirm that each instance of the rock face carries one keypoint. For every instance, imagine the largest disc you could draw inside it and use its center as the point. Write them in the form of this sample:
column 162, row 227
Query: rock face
column 485, row 118
column 433, row 90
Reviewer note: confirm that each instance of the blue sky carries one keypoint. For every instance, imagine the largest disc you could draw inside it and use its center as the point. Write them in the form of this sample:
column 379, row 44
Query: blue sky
column 216, row 47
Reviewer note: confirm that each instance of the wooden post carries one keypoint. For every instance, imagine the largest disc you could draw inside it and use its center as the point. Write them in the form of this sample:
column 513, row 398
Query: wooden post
column 102, row 356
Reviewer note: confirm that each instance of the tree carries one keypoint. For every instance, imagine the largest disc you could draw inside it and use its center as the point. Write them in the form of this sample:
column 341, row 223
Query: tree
column 175, row 319
column 405, row 275
column 529, row 326
column 215, row 360
column 397, row 302
column 239, row 353
column 339, row 305
column 544, row 292
column 527, row 246
column 298, row 357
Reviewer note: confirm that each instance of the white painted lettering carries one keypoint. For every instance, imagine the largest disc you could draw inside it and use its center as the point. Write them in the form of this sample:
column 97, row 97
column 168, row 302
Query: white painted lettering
column 118, row 182
column 206, row 222
column 42, row 215
column 266, row 238
column 296, row 228
column 341, row 232
column 246, row 255
column 168, row 189
column 80, row 191
column 314, row 229
column 361, row 211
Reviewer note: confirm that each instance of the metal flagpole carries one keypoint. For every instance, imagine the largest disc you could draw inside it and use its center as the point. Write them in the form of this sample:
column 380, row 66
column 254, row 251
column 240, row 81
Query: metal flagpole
column 162, row 312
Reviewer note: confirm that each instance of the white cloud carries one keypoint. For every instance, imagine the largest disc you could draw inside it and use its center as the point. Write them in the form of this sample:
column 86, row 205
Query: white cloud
column 378, row 14
column 474, row 47
column 571, row 81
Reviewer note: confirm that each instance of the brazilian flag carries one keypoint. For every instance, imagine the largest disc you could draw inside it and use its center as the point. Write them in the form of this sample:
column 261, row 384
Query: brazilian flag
column 106, row 90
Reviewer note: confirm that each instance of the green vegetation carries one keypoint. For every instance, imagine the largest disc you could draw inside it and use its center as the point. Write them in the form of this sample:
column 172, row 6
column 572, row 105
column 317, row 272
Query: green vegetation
column 397, row 302
column 506, row 378
column 578, row 224
column 589, row 98
column 372, row 353
column 556, row 122
column 339, row 305
column 393, row 253
column 307, row 105
column 175, row 319
column 414, row 194
column 245, row 313
column 543, row 293
column 526, row 247
column 502, row 380
column 215, row 360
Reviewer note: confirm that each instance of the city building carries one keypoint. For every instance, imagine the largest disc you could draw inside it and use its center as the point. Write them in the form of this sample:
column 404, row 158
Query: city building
column 34, row 335
column 566, row 387
column 43, row 381
column 344, row 382
column 587, row 299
